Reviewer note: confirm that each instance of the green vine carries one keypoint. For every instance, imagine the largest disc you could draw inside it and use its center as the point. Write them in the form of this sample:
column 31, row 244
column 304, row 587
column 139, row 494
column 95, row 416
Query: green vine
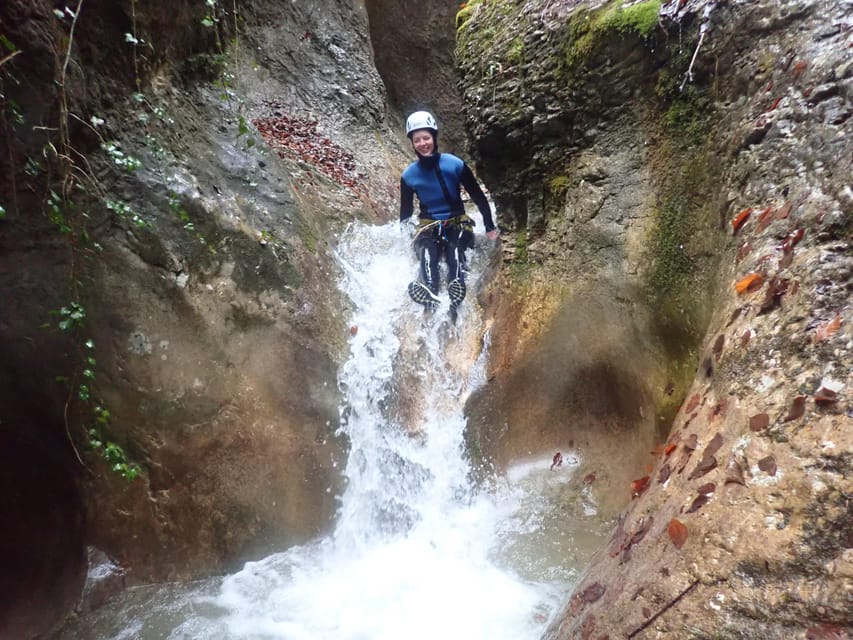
column 71, row 186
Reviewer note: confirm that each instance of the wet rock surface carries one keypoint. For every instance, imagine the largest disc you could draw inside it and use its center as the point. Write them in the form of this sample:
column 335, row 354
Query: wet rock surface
column 736, row 524
column 673, row 304
column 205, row 272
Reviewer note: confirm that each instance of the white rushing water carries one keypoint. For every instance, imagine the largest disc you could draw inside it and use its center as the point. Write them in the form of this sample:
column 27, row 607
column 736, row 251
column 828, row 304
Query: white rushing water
column 417, row 552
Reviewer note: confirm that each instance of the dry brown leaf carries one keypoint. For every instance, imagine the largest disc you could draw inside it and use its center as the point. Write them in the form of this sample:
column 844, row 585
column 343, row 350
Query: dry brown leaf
column 734, row 472
column 707, row 489
column 693, row 403
column 825, row 396
column 827, row 329
column 698, row 503
column 705, row 465
column 798, row 408
column 719, row 343
column 677, row 533
column 713, row 446
column 768, row 465
column 759, row 421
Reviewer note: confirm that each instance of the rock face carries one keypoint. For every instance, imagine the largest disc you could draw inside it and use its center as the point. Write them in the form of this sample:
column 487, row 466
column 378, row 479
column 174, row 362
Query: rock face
column 186, row 252
column 413, row 46
column 676, row 280
column 680, row 248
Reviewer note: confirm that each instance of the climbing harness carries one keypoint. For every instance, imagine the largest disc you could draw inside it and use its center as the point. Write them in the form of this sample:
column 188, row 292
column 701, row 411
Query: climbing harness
column 425, row 224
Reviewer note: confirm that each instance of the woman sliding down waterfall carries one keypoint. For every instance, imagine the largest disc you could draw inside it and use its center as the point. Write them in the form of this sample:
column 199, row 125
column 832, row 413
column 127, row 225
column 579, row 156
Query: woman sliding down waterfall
column 418, row 550
column 445, row 229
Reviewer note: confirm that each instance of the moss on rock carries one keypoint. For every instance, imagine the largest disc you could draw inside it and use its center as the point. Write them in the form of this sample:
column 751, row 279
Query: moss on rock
column 590, row 30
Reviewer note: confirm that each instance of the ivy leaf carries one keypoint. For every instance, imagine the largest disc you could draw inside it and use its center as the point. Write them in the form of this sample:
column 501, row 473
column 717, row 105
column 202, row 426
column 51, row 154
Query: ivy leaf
column 242, row 127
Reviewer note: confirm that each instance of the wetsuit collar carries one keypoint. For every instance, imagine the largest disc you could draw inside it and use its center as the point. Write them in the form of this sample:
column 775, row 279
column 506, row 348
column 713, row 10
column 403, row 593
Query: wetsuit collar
column 429, row 162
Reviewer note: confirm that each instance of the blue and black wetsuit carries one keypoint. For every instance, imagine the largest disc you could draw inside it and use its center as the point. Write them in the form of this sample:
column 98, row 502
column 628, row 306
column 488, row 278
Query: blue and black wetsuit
column 437, row 180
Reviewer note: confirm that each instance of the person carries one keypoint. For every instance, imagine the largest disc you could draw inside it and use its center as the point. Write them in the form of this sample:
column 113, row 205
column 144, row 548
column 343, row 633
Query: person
column 445, row 230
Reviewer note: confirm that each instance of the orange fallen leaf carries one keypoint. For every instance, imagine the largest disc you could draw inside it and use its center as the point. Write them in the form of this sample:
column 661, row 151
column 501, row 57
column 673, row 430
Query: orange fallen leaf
column 764, row 219
column 639, row 485
column 750, row 283
column 740, row 219
column 669, row 449
column 827, row 329
column 353, row 330
column 677, row 533
column 775, row 103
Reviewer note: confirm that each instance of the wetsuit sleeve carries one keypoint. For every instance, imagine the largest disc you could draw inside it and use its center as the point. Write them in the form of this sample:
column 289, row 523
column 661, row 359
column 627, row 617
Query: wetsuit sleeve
column 407, row 195
column 473, row 188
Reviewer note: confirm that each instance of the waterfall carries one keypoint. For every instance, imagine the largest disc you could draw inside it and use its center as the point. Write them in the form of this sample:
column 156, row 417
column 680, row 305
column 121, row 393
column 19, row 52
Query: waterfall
column 417, row 552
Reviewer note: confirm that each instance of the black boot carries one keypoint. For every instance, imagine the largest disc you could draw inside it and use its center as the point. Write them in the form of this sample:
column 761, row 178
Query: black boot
column 421, row 293
column 456, row 290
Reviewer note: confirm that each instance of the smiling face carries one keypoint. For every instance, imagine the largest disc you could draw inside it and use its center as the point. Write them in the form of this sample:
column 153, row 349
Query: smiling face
column 423, row 142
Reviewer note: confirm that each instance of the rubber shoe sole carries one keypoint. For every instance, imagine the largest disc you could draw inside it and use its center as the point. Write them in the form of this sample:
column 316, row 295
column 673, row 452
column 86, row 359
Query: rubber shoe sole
column 421, row 294
column 456, row 290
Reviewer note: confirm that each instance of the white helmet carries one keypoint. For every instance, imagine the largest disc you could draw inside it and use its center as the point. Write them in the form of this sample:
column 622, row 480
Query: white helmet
column 420, row 120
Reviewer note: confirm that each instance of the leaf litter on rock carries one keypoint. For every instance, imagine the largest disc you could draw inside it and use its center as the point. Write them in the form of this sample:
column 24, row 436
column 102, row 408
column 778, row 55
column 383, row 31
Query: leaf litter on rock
column 300, row 139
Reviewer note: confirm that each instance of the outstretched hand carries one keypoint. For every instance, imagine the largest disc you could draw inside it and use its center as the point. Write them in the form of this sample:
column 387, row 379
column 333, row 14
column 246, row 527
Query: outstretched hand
column 493, row 234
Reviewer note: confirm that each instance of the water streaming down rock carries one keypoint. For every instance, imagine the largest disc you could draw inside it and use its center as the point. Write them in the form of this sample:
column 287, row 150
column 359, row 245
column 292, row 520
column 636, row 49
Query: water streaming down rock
column 417, row 551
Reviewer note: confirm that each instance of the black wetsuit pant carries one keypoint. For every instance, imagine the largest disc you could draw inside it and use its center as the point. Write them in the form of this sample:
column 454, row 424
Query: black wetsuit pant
column 445, row 240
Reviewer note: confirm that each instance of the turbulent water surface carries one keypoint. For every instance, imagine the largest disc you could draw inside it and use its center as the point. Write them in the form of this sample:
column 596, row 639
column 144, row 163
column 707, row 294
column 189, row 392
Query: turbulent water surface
column 418, row 552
